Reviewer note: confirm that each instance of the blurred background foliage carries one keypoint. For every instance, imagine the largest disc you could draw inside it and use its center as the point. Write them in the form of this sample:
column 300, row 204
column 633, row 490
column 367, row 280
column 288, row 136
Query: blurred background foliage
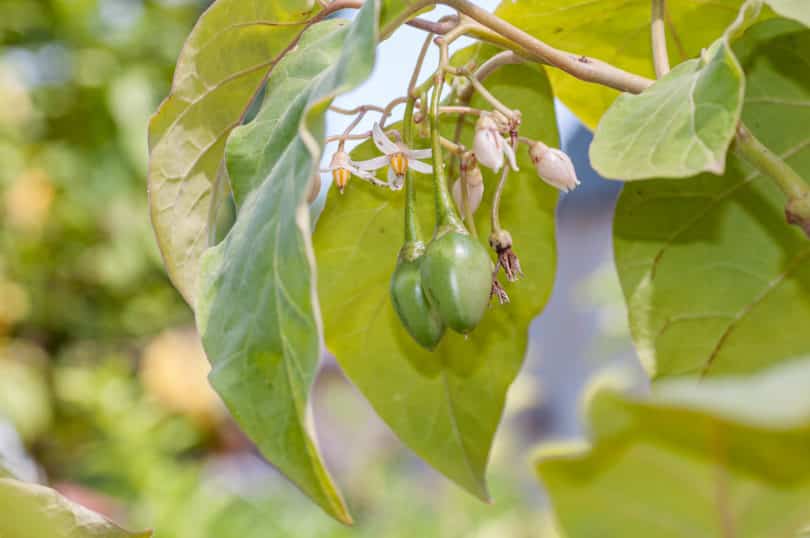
column 102, row 381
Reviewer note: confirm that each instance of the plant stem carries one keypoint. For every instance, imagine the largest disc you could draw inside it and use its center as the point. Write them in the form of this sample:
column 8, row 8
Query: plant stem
column 659, row 38
column 506, row 57
column 446, row 216
column 412, row 94
column 413, row 233
column 584, row 68
column 496, row 198
column 768, row 163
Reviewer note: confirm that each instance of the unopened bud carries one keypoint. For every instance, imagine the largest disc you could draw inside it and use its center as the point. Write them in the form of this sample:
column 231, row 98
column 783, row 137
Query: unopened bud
column 488, row 144
column 554, row 167
column 474, row 195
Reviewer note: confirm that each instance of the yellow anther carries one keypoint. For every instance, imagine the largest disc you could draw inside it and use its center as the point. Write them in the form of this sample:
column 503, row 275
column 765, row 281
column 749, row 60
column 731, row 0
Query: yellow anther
column 341, row 177
column 399, row 164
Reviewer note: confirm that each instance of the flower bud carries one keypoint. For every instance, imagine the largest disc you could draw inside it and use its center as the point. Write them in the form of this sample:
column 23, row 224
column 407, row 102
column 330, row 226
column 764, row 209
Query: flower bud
column 487, row 143
column 474, row 195
column 471, row 176
column 554, row 166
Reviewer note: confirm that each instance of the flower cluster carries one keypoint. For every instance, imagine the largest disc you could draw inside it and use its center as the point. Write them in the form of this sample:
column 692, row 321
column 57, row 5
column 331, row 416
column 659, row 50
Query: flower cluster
column 398, row 157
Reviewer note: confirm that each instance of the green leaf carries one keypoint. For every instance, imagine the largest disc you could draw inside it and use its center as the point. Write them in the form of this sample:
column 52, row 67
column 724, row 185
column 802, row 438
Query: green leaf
column 726, row 457
column 793, row 9
column 680, row 126
column 34, row 511
column 224, row 61
column 445, row 405
column 618, row 32
column 715, row 280
column 257, row 310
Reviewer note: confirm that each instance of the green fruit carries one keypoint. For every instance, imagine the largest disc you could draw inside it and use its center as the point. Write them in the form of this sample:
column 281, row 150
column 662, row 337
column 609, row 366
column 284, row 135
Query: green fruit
column 421, row 320
column 457, row 277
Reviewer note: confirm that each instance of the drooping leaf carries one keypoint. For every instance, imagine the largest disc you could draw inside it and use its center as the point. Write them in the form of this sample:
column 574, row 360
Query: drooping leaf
column 680, row 126
column 793, row 9
column 257, row 145
column 714, row 278
column 222, row 66
column 445, row 405
column 618, row 32
column 726, row 457
column 35, row 511
column 257, row 310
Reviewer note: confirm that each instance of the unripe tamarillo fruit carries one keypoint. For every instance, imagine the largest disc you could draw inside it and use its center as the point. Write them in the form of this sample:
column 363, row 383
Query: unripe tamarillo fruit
column 418, row 316
column 457, row 278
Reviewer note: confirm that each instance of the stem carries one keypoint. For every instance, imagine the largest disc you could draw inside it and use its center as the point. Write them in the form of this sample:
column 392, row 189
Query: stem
column 659, row 38
column 446, row 216
column 582, row 67
column 350, row 128
column 496, row 200
column 413, row 232
column 506, row 57
column 361, row 111
column 485, row 93
column 768, row 163
column 418, row 67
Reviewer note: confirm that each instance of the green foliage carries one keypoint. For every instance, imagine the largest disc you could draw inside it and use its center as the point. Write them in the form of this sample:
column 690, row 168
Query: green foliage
column 616, row 31
column 726, row 457
column 710, row 270
column 267, row 361
column 680, row 126
column 223, row 64
column 446, row 404
column 39, row 511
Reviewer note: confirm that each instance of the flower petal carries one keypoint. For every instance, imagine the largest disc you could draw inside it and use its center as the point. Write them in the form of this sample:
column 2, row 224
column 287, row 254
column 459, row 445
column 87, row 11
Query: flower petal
column 487, row 148
column 359, row 172
column 419, row 166
column 381, row 140
column 372, row 164
column 510, row 155
column 419, row 153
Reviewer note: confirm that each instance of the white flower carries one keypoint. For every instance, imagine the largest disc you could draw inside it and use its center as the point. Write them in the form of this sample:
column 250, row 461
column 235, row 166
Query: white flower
column 397, row 156
column 489, row 146
column 471, row 175
column 342, row 168
column 554, row 167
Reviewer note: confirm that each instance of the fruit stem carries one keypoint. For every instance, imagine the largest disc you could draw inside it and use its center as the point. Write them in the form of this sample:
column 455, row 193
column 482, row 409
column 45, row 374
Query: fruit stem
column 446, row 216
column 413, row 232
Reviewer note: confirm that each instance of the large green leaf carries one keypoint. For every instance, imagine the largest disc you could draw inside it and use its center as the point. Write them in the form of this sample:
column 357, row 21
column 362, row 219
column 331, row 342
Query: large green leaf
column 680, row 126
column 794, row 9
column 224, row 61
column 615, row 31
column 257, row 310
column 714, row 278
column 445, row 405
column 34, row 511
column 726, row 457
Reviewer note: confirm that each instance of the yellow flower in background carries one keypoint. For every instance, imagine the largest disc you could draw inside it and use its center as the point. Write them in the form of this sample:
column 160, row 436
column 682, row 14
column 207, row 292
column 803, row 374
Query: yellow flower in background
column 174, row 370
column 28, row 200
